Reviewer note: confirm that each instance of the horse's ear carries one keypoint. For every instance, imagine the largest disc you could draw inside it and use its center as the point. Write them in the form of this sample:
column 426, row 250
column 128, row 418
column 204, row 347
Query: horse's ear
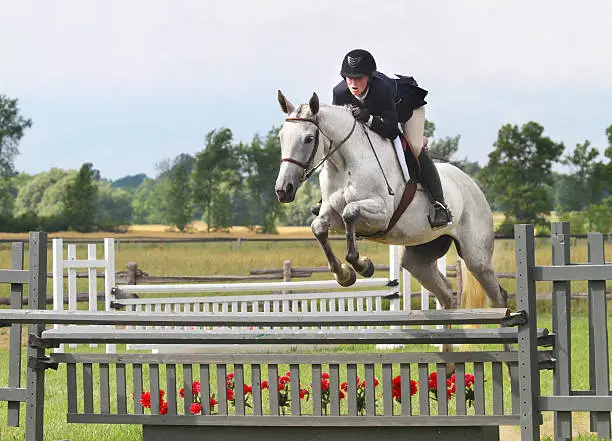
column 314, row 104
column 286, row 106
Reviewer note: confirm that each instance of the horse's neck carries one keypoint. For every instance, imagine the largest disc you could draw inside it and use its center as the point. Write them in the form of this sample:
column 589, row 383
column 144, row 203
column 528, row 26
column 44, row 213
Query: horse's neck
column 357, row 155
column 336, row 124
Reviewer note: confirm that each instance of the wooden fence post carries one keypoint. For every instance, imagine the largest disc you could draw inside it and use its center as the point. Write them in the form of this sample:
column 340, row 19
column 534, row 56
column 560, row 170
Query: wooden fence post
column 132, row 267
column 286, row 274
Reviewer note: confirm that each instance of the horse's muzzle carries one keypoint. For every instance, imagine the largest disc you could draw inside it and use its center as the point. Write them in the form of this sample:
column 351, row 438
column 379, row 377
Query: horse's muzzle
column 286, row 195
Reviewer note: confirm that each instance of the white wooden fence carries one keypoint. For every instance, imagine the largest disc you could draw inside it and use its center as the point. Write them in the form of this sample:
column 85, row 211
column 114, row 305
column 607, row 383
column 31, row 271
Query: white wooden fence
column 315, row 300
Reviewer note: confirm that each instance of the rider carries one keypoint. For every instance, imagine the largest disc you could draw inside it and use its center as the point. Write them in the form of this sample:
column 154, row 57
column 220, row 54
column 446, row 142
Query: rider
column 376, row 100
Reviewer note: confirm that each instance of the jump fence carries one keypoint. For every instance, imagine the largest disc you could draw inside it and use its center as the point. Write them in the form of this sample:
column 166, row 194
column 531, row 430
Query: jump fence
column 263, row 395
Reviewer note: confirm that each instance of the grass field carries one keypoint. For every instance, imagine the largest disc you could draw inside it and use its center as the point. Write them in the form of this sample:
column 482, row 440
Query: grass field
column 224, row 258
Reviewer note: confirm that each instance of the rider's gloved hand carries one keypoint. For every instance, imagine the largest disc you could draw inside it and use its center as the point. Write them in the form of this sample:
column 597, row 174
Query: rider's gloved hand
column 361, row 114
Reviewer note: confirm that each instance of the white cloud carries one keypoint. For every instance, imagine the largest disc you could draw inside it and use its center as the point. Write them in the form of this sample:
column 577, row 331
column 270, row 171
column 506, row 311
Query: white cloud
column 146, row 44
column 485, row 63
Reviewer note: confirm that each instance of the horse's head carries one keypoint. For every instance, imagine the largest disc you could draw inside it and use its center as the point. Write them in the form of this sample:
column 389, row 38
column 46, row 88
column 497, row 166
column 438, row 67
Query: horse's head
column 299, row 140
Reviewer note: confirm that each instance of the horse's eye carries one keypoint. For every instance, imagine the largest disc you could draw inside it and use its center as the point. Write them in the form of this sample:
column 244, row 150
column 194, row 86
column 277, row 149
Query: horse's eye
column 309, row 139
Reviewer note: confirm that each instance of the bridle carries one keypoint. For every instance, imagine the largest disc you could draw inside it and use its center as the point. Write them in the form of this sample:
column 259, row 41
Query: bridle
column 305, row 165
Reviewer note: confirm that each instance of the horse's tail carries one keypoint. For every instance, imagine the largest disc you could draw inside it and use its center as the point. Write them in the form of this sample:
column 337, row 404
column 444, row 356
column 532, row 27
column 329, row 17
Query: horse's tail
column 473, row 295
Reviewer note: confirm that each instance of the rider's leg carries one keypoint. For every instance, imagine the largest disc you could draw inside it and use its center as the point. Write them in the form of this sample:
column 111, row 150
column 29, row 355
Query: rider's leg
column 414, row 129
column 431, row 180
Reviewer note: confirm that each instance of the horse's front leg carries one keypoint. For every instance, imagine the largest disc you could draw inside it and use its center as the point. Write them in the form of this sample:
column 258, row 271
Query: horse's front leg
column 374, row 216
column 344, row 274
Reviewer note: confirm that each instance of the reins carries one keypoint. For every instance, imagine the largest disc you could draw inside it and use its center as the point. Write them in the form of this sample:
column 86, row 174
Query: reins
column 308, row 173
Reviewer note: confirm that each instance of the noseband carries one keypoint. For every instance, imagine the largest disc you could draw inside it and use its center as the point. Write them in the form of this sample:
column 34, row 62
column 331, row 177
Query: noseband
column 305, row 165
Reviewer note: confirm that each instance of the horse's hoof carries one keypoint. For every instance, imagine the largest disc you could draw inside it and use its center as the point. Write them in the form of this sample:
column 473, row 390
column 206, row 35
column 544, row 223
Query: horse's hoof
column 346, row 276
column 368, row 271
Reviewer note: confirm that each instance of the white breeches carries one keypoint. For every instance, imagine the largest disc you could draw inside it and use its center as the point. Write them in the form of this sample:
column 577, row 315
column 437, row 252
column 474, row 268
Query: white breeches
column 414, row 129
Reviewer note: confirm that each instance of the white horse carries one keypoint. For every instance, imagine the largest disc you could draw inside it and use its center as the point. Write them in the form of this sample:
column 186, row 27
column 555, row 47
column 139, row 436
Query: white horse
column 358, row 200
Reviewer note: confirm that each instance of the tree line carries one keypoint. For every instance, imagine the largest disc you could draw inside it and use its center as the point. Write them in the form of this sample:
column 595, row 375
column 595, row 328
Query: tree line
column 229, row 183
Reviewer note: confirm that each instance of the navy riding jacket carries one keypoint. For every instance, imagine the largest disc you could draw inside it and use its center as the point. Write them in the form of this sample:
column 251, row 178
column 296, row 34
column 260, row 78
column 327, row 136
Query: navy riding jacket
column 388, row 101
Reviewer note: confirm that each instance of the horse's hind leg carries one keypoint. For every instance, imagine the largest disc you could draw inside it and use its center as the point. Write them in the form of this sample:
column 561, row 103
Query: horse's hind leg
column 425, row 270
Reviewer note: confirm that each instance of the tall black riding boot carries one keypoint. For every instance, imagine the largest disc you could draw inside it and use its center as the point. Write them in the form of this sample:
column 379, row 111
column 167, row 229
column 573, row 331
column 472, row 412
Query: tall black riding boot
column 430, row 178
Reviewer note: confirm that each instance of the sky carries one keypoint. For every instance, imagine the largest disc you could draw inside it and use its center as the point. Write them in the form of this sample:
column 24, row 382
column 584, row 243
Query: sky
column 127, row 84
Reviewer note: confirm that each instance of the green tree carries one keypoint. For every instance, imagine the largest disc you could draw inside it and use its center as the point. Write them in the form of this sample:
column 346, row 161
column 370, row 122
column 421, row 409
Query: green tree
column 142, row 204
column 52, row 203
column 115, row 207
column 518, row 175
column 444, row 149
column 261, row 162
column 582, row 186
column 217, row 163
column 12, row 129
column 178, row 203
column 32, row 190
column 430, row 128
column 80, row 200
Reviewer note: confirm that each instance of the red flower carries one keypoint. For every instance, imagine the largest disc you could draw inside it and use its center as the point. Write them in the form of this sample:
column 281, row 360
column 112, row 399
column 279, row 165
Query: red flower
column 264, row 384
column 344, row 386
column 195, row 408
column 342, row 395
column 469, row 380
column 396, row 392
column 376, row 382
column 433, row 380
column 281, row 387
column 453, row 388
column 230, row 394
column 195, row 387
column 362, row 385
column 396, row 382
column 285, row 379
column 163, row 407
column 182, row 392
column 288, row 374
column 213, row 402
column 324, row 385
column 325, row 376
column 247, row 389
column 303, row 393
column 414, row 387
column 145, row 400
column 229, row 376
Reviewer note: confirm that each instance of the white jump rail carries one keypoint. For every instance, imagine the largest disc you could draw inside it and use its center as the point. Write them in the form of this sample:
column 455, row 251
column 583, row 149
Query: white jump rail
column 365, row 295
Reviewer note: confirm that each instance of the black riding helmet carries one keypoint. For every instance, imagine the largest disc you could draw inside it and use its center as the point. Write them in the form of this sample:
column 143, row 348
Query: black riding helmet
column 357, row 63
